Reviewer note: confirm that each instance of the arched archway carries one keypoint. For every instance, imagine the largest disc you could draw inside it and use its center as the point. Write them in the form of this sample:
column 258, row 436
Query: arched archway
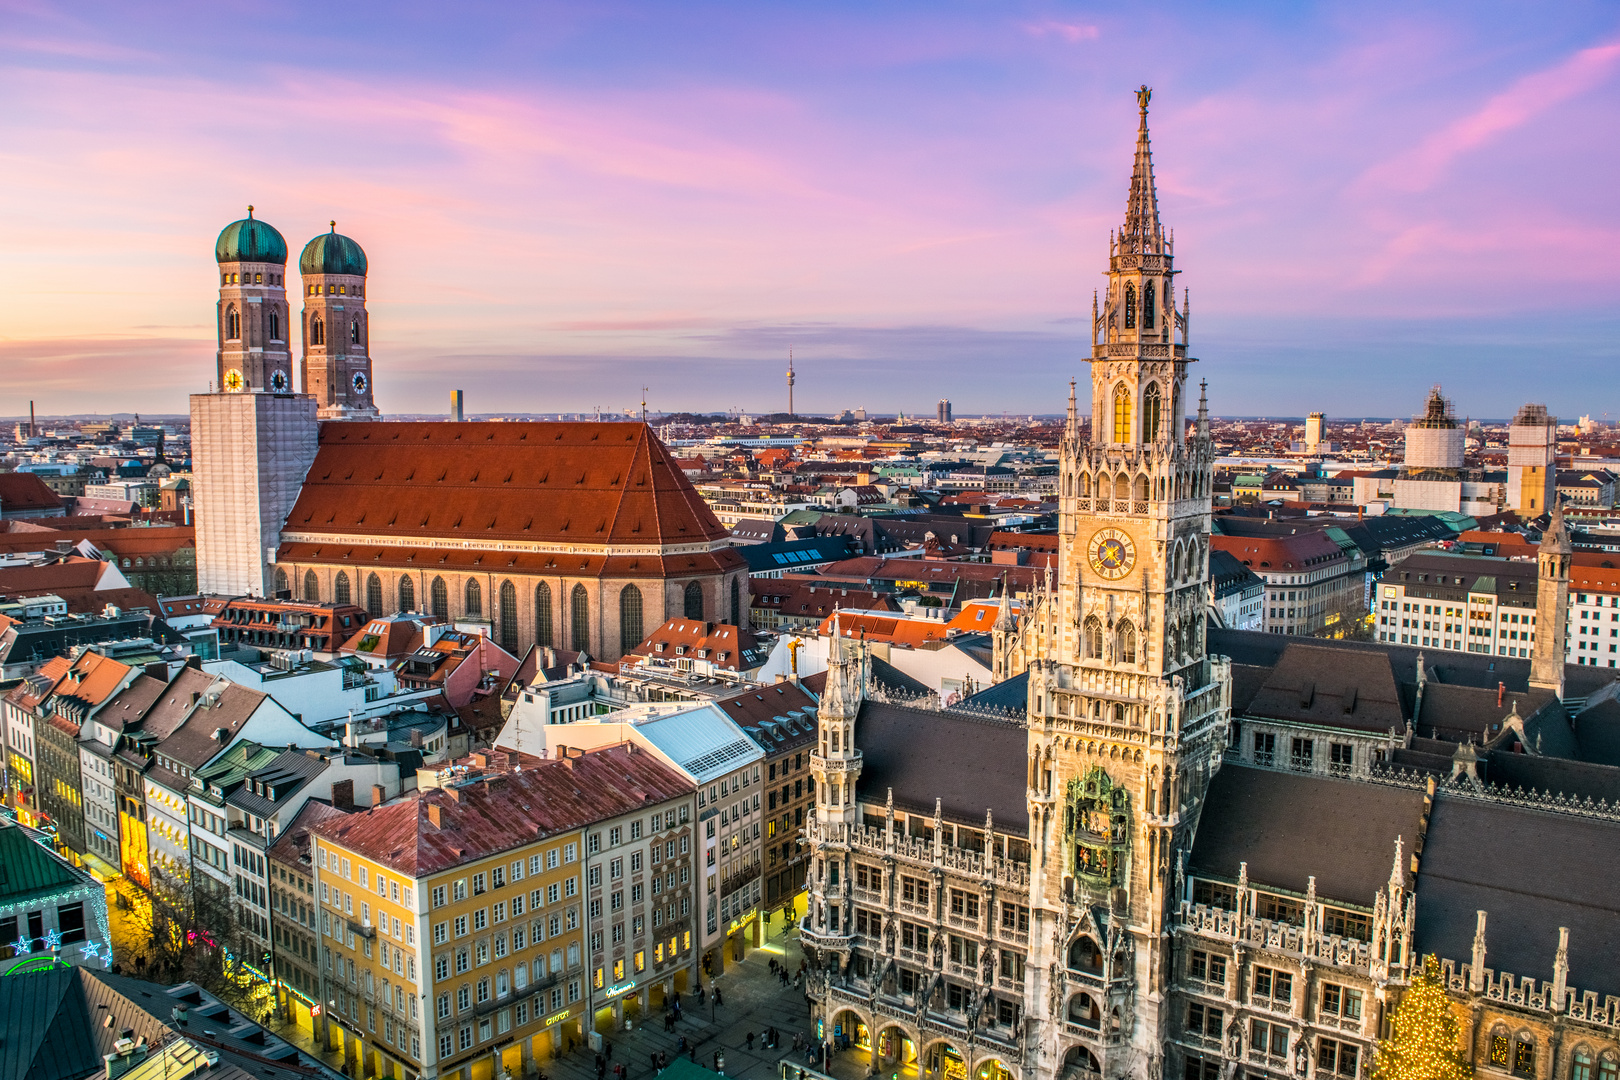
column 1084, row 1011
column 895, row 1053
column 1080, row 1063
column 1084, row 956
column 942, row 1060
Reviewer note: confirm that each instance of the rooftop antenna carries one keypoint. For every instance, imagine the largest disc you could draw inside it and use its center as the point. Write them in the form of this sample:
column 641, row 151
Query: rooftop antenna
column 643, row 404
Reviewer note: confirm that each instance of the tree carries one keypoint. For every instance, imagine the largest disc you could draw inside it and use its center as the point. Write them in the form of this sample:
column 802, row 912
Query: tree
column 1423, row 1039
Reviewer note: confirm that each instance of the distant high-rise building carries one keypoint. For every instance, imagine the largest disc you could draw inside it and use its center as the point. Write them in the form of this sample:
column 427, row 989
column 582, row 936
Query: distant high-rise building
column 457, row 403
column 1532, row 445
column 943, row 411
column 1313, row 432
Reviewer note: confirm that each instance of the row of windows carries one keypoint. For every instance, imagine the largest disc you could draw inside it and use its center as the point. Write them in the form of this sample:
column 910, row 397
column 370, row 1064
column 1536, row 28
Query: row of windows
column 233, row 324
column 238, row 278
column 334, row 290
column 632, row 630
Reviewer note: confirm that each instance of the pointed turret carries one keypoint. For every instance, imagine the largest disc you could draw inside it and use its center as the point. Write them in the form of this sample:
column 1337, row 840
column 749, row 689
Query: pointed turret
column 1552, row 605
column 1142, row 233
column 1073, row 429
column 1203, row 411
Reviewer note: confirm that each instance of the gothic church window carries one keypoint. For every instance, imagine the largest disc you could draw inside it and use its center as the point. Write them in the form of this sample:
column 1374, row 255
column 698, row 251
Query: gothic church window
column 630, row 633
column 374, row 595
column 275, row 325
column 233, row 325
column 317, row 331
column 475, row 599
column 1093, row 636
column 312, row 587
column 439, row 598
column 1127, row 642
column 340, row 588
column 694, row 601
column 1152, row 404
column 542, row 614
column 1122, row 413
column 282, row 585
column 580, row 614
column 509, row 633
column 1581, row 1065
column 407, row 594
column 1130, row 307
column 354, row 332
column 1147, row 306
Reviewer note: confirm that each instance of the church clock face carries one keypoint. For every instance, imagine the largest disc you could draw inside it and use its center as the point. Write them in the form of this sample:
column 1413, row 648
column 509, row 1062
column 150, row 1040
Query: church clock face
column 233, row 380
column 359, row 382
column 1112, row 553
column 278, row 382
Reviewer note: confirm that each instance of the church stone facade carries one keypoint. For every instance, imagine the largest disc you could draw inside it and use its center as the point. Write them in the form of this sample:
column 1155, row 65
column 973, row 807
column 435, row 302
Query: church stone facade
column 1095, row 878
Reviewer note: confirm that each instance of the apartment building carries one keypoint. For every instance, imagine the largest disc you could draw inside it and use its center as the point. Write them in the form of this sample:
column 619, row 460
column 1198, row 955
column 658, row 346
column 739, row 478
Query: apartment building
column 1309, row 576
column 1463, row 603
column 453, row 923
column 295, row 961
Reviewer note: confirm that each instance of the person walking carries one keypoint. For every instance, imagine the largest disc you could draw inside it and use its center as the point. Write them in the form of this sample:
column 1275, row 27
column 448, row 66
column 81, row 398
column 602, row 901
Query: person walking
column 750, row 1041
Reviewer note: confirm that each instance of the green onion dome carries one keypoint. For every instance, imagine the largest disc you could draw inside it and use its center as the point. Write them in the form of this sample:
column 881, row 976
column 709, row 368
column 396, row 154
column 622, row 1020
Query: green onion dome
column 250, row 240
column 332, row 253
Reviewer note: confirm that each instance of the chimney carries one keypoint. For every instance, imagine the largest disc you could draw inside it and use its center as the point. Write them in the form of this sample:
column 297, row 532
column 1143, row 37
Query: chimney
column 343, row 795
column 436, row 815
column 379, row 794
column 1501, row 689
column 416, row 738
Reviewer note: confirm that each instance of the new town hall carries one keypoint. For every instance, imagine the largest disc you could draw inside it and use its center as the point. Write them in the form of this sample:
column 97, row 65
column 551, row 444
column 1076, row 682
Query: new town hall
column 1155, row 850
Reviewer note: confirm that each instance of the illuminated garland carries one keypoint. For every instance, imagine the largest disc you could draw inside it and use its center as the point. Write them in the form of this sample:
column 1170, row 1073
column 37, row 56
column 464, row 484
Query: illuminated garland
column 1424, row 1033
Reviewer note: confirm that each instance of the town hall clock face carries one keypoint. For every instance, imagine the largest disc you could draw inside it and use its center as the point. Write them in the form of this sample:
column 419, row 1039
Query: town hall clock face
column 1112, row 553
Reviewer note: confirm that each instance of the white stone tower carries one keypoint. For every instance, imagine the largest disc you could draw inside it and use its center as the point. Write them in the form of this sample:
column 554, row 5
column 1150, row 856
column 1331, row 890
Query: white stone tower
column 252, row 310
column 337, row 359
column 1552, row 604
column 1532, row 474
column 1127, row 712
column 252, row 439
column 835, row 764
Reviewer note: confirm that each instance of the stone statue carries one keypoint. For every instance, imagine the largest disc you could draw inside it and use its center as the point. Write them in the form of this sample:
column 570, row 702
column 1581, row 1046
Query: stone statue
column 1234, row 1041
column 1302, row 1059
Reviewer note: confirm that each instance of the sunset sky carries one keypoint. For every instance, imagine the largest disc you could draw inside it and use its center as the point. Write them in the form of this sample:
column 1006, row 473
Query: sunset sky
column 564, row 202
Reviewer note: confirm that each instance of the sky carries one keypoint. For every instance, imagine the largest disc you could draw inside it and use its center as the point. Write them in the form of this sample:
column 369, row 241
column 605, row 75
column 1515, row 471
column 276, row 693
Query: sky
column 563, row 203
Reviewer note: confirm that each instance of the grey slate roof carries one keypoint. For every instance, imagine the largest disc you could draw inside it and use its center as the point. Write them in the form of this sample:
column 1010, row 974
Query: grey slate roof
column 1010, row 694
column 1337, row 688
column 1532, row 873
column 1289, row 827
column 969, row 763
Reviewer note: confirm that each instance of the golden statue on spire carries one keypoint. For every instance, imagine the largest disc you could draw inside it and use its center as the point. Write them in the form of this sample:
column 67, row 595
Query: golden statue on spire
column 1143, row 96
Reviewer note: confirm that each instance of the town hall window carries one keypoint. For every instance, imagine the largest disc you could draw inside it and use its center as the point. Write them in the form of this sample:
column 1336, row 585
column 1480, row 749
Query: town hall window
column 1122, row 413
column 1151, row 402
column 1130, row 306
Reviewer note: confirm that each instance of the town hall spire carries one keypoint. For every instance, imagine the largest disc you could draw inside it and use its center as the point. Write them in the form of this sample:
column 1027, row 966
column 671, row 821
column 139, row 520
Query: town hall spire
column 1142, row 233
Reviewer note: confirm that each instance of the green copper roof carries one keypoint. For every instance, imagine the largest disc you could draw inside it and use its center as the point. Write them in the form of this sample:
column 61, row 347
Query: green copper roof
column 250, row 240
column 332, row 253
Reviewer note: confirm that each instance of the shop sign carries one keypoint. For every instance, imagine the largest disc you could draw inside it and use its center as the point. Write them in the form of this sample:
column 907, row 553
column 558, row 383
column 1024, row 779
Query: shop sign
column 557, row 1018
column 619, row 988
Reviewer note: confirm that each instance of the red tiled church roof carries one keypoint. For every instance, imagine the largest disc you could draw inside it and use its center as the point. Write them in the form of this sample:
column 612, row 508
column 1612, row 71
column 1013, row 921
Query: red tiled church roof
column 537, row 482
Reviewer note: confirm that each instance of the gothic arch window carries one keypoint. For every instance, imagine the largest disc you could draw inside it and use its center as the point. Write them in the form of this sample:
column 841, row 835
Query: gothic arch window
column 1152, row 406
column 1122, row 486
column 233, row 324
column 694, row 601
column 1085, row 485
column 1093, row 638
column 1141, row 492
column 1580, row 1063
column 736, row 601
column 1608, row 1066
column 374, row 595
column 579, row 612
column 275, row 325
column 312, row 587
column 1524, row 1054
column 1122, row 413
column 1126, row 635
column 317, row 331
column 340, row 588
column 354, row 332
column 542, row 614
column 439, row 598
column 1148, row 299
column 282, row 585
column 1085, row 956
column 630, row 633
column 509, row 632
column 1083, row 1010
column 475, row 599
column 407, row 594
column 1130, row 306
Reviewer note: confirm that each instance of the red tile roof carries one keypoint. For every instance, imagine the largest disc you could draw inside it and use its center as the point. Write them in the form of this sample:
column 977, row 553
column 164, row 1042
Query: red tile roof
column 553, row 483
column 26, row 492
column 897, row 630
column 504, row 810
column 727, row 647
column 1296, row 551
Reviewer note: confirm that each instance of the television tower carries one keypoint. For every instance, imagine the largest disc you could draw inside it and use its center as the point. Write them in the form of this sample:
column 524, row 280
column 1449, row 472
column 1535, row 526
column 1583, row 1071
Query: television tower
column 790, row 382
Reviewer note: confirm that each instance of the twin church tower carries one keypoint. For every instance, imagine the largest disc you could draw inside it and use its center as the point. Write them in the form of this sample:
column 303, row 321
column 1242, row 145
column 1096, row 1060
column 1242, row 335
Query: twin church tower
column 253, row 437
column 255, row 320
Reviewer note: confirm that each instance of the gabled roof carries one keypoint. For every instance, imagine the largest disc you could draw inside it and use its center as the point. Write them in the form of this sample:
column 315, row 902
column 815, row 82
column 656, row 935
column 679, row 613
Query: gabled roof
column 728, row 647
column 549, row 483
column 894, row 629
column 28, row 869
column 504, row 810
column 1289, row 827
column 1334, row 688
column 24, row 491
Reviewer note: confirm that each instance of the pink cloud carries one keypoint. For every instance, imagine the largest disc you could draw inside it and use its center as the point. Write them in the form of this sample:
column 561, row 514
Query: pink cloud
column 1070, row 32
column 1421, row 167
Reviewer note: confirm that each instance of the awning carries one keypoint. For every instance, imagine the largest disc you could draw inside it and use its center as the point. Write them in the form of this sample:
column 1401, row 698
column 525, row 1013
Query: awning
column 103, row 871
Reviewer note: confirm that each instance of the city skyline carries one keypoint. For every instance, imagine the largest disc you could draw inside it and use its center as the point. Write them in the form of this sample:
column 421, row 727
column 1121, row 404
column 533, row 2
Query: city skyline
column 561, row 211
